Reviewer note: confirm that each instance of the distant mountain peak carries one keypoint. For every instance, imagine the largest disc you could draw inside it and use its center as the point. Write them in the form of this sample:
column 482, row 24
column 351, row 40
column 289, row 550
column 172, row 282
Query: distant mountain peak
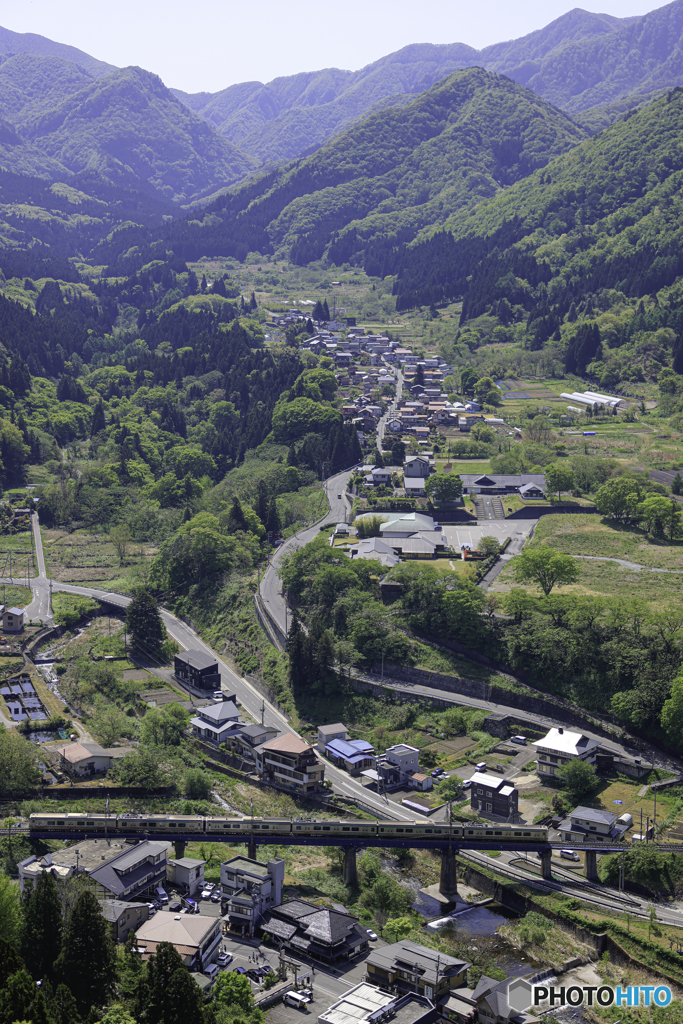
column 12, row 43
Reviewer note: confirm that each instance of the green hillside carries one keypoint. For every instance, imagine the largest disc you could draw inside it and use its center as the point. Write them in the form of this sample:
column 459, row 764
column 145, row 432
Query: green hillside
column 388, row 176
column 132, row 131
column 32, row 85
column 20, row 157
column 579, row 241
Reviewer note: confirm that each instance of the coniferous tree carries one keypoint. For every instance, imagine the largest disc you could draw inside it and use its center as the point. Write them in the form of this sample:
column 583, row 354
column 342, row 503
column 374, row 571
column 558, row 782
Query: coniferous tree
column 41, row 934
column 261, row 507
column 253, row 304
column 98, row 420
column 143, row 622
column 677, row 484
column 326, row 310
column 236, row 520
column 297, row 649
column 319, row 311
column 292, row 459
column 62, row 1007
column 273, row 524
column 87, row 963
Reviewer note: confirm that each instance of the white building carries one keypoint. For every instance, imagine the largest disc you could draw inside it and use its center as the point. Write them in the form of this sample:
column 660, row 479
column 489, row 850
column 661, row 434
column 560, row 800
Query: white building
column 250, row 888
column 559, row 747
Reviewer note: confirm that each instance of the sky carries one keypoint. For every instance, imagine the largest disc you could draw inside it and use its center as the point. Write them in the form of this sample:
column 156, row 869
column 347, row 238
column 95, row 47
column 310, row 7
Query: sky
column 213, row 44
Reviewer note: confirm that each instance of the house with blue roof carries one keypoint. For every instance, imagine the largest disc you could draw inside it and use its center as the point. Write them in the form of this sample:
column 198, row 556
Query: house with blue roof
column 354, row 756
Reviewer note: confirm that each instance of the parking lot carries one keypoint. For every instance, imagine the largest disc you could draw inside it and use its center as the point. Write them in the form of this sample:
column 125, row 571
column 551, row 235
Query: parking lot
column 459, row 534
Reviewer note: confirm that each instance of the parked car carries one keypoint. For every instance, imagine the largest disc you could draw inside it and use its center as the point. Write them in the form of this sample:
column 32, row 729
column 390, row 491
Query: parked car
column 206, row 893
column 192, row 906
column 436, row 773
column 216, row 896
column 371, row 935
column 481, row 767
column 518, row 739
column 161, row 894
column 296, row 999
column 569, row 855
column 211, row 970
column 223, row 959
column 218, row 695
column 339, row 495
column 175, row 907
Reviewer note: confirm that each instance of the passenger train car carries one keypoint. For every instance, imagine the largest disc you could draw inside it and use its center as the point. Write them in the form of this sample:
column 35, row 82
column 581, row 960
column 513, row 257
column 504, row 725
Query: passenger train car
column 261, row 828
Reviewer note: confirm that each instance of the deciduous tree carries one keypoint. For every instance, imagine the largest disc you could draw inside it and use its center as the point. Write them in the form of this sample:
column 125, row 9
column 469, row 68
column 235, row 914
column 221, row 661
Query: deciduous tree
column 545, row 567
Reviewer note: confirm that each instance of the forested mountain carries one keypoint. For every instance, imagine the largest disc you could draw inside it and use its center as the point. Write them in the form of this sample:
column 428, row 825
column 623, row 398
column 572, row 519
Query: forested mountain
column 30, row 85
column 599, row 226
column 12, row 43
column 295, row 114
column 580, row 62
column 388, row 176
column 593, row 66
column 131, row 130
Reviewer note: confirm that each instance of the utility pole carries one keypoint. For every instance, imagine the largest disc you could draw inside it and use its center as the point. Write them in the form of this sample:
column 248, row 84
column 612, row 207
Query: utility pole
column 263, row 710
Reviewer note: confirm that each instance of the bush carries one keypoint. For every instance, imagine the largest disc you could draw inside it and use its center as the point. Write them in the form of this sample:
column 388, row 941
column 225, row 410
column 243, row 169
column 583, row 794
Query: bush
column 197, row 784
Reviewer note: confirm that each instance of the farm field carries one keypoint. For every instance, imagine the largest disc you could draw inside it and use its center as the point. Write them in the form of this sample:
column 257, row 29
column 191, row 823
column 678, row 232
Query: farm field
column 83, row 557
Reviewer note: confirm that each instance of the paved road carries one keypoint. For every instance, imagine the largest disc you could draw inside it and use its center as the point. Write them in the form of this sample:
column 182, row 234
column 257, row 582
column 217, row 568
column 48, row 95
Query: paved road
column 251, row 700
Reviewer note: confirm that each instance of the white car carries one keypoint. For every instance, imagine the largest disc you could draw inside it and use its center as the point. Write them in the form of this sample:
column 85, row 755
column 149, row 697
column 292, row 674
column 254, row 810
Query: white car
column 206, row 893
column 371, row 935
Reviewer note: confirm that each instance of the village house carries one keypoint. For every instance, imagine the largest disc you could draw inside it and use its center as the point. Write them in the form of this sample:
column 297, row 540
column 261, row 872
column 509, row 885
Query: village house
column 318, row 932
column 187, row 873
column 124, row 917
column 491, row 795
column 197, row 669
column 407, row 967
column 249, row 888
column 89, row 758
column 327, row 733
column 373, row 547
column 558, row 747
column 366, row 1004
column 216, row 723
column 291, row 762
column 353, row 756
column 489, row 483
column 416, row 466
column 587, row 825
column 491, row 1000
column 195, row 937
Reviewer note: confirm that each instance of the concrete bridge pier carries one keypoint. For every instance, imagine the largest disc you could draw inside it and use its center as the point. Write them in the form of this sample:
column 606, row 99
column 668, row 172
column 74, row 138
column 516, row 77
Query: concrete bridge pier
column 179, row 847
column 547, row 865
column 251, row 849
column 350, row 868
column 448, row 885
column 592, row 866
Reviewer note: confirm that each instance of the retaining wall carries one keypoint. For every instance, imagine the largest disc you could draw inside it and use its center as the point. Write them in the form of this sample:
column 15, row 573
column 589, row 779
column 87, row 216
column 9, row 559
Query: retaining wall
column 523, row 698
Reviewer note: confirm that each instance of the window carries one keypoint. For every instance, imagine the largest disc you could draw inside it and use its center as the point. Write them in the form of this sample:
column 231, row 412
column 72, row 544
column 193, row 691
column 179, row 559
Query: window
column 488, row 807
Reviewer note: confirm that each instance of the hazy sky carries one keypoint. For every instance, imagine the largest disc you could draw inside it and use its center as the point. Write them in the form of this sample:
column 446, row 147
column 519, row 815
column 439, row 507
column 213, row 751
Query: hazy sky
column 214, row 43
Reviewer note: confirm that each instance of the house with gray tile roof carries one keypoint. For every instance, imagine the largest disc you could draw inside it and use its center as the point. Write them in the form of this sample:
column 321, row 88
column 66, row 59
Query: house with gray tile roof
column 318, row 932
column 135, row 871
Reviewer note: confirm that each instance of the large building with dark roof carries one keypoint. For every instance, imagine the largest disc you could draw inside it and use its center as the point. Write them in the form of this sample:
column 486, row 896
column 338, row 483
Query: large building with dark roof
column 318, row 932
column 529, row 485
column 407, row 967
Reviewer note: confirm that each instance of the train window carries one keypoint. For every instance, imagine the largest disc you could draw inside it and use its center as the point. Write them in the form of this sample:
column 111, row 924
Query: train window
column 400, row 830
column 527, row 833
column 345, row 828
column 488, row 832
column 470, row 831
column 80, row 823
column 326, row 828
column 152, row 824
column 411, row 830
column 354, row 829
column 428, row 831
column 316, row 828
column 497, row 833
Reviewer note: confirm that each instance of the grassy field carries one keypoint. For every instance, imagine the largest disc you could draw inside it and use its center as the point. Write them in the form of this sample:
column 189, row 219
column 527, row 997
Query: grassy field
column 591, row 535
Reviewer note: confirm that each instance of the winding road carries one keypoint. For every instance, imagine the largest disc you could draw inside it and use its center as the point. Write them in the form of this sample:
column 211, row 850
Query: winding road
column 258, row 707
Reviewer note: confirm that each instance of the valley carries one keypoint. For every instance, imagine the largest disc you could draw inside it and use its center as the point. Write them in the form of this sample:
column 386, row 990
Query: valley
column 341, row 473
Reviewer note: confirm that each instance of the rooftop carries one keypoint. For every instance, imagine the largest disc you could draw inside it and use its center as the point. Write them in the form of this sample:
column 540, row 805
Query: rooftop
column 361, row 1002
column 189, row 862
column 197, row 659
column 590, row 814
column 417, row 958
column 89, row 854
column 332, row 730
column 566, row 742
column 288, row 744
column 179, row 929
column 246, row 866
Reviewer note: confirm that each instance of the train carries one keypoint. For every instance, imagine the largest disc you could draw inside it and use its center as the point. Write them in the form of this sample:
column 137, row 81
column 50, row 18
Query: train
column 259, row 828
